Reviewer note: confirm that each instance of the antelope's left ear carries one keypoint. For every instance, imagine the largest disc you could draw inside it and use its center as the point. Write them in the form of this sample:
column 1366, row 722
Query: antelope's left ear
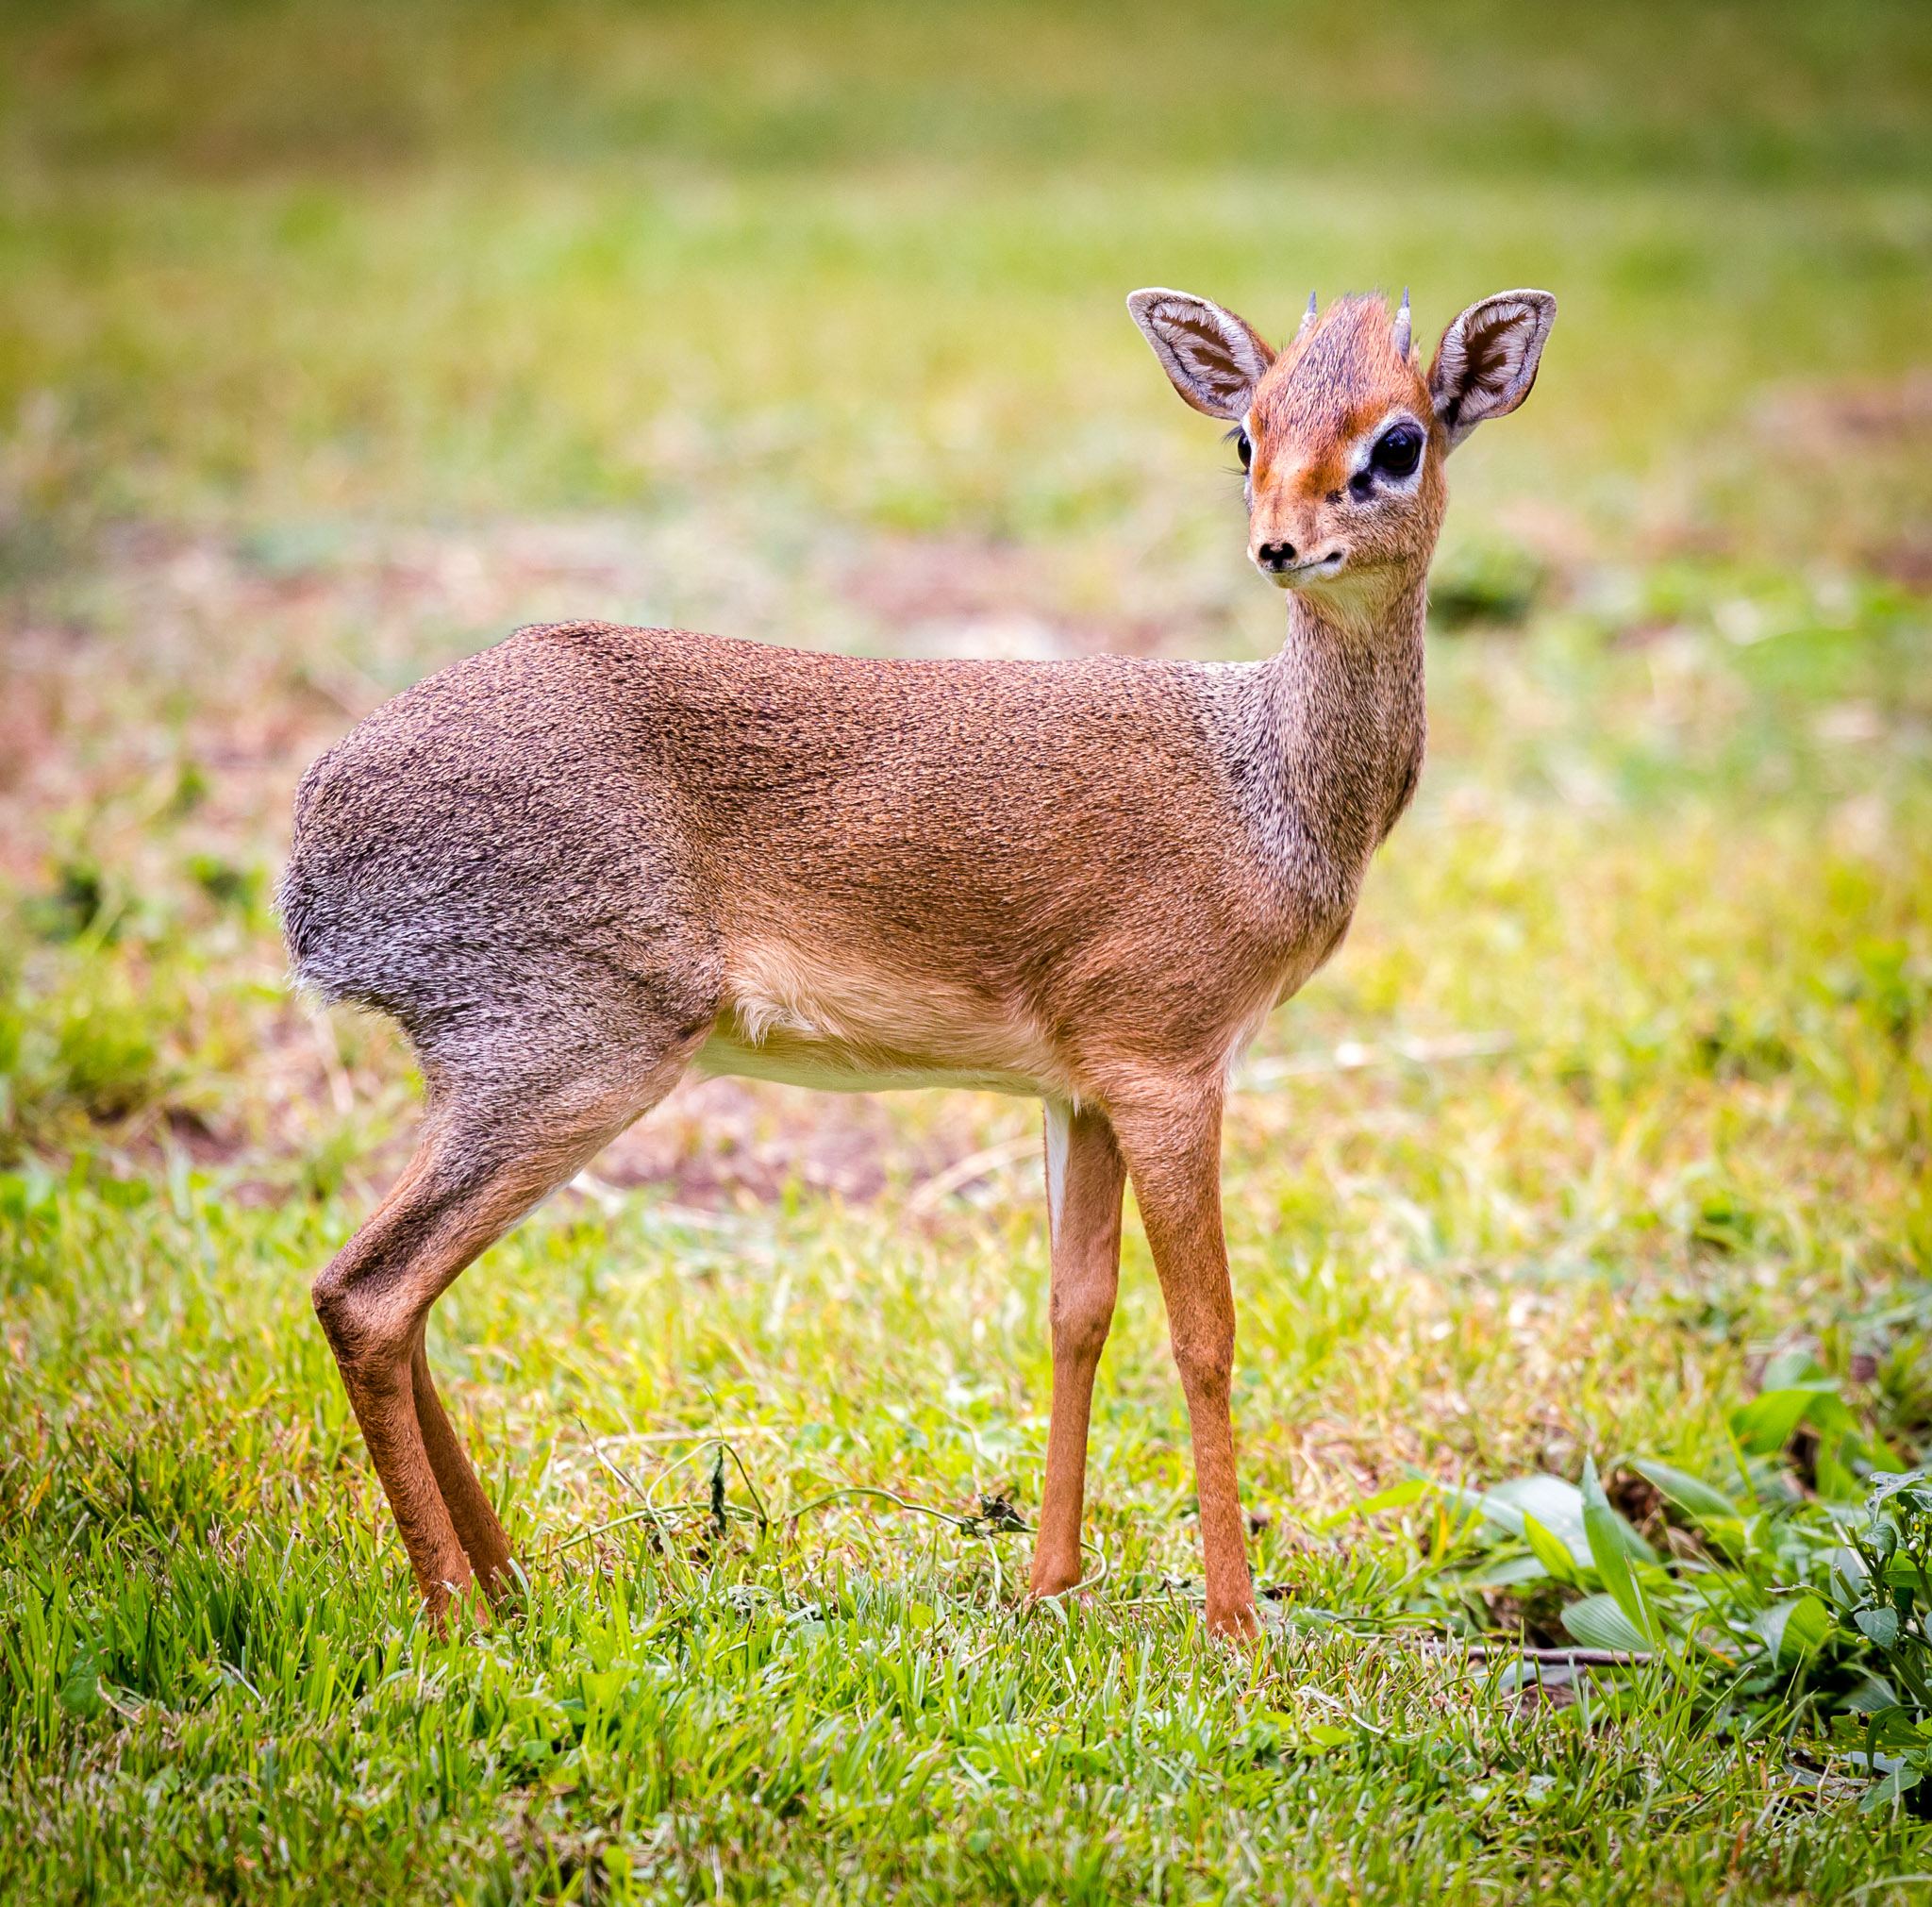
column 1487, row 361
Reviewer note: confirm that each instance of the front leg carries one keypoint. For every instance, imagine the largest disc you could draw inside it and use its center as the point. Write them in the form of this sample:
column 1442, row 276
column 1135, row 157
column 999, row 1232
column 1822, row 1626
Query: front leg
column 1085, row 1178
column 1172, row 1149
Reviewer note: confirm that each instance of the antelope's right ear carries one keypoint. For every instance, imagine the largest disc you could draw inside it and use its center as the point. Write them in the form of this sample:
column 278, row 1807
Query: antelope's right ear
column 1214, row 358
column 1487, row 361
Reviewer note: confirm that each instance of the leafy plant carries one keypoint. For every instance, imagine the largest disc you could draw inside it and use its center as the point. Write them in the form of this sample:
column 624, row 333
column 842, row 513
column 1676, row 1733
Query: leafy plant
column 1766, row 1600
column 1881, row 1588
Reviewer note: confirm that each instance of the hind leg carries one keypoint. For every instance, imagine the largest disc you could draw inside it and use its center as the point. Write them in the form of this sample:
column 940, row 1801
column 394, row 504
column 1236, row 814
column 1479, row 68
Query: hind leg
column 488, row 1153
column 471, row 1513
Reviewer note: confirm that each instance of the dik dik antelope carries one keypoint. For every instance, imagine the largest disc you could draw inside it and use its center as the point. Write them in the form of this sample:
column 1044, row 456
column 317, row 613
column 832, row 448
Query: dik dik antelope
column 585, row 859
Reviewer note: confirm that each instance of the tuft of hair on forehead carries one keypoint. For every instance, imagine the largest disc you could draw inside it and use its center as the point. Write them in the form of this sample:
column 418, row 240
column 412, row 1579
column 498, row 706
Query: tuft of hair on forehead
column 1346, row 362
column 1357, row 331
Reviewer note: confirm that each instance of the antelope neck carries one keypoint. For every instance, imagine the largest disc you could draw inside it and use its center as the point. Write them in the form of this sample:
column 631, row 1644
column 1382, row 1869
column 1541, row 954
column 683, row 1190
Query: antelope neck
column 1331, row 736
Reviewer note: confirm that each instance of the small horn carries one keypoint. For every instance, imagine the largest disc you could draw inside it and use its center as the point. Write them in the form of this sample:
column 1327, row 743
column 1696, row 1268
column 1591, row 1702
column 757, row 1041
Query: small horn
column 1307, row 324
column 1401, row 333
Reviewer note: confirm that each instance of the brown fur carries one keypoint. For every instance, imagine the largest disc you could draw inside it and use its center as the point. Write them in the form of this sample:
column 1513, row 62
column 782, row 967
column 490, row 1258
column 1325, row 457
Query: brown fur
column 574, row 863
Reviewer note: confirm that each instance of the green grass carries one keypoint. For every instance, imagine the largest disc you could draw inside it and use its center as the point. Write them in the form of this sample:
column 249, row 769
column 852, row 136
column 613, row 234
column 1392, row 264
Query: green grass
column 334, row 339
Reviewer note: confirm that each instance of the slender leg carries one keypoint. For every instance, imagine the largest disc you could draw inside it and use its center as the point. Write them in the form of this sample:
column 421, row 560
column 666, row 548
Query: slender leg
column 470, row 1509
column 1084, row 1180
column 1173, row 1150
column 373, row 1300
column 479, row 1166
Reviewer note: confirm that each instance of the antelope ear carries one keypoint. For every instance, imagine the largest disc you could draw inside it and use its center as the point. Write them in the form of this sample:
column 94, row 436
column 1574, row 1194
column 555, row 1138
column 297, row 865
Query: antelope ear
column 1487, row 361
column 1214, row 358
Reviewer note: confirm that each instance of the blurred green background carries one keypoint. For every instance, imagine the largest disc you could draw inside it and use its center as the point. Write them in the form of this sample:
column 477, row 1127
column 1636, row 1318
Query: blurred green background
column 281, row 261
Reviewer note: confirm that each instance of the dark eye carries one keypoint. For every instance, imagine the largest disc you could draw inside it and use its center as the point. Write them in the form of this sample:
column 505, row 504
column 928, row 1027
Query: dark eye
column 1242, row 448
column 1398, row 451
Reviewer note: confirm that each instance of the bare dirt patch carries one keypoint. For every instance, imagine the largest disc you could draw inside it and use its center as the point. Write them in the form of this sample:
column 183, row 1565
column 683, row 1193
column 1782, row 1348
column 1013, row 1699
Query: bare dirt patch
column 964, row 597
column 720, row 1142
column 1853, row 472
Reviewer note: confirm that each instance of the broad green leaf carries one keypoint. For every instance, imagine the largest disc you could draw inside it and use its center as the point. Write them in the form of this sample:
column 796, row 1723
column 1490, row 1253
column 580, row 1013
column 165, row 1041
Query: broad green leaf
column 1555, row 1558
column 1475, row 1502
column 1835, row 1479
column 1878, row 1627
column 1894, row 1728
column 1325, row 1735
column 1555, row 1503
column 1598, row 1623
column 1727, row 1533
column 1912, row 1485
column 1559, row 1508
column 1828, row 1411
column 1764, row 1425
column 1505, row 1574
column 1602, row 1525
column 1770, row 1625
column 1686, row 1492
column 1494, row 1510
column 1901, row 1781
column 1792, row 1629
column 1397, row 1496
column 1872, row 1696
column 1809, row 1626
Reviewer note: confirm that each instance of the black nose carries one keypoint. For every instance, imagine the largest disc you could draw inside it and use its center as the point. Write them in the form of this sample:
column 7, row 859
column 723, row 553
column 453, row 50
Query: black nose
column 1275, row 555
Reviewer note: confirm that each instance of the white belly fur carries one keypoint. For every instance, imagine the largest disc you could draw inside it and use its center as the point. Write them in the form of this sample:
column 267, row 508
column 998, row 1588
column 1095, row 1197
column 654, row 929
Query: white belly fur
column 801, row 1017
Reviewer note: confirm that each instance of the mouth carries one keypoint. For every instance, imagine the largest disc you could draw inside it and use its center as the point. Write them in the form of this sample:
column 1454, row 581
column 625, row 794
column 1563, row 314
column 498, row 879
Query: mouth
column 1318, row 569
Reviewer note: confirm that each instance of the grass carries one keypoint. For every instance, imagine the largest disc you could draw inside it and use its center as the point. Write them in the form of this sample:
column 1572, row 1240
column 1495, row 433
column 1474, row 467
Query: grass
column 335, row 340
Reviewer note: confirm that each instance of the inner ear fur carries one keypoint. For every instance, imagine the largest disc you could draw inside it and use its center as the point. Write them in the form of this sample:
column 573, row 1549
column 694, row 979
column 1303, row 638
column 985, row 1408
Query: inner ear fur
column 1213, row 357
column 1488, row 359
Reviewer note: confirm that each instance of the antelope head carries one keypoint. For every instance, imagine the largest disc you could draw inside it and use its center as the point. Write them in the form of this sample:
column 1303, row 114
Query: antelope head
column 1343, row 436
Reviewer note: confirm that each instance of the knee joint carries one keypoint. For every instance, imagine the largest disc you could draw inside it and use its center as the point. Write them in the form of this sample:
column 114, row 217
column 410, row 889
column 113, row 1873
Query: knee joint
column 1205, row 1358
column 358, row 1323
column 1081, row 1326
column 1082, row 1337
